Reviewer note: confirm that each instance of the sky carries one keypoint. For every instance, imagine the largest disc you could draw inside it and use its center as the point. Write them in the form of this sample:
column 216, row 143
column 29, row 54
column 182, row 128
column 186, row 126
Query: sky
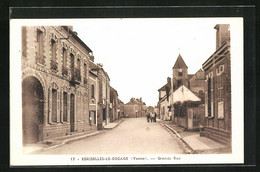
column 138, row 54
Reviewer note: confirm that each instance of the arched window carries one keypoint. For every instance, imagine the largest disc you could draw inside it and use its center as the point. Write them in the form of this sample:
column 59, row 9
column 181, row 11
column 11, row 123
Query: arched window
column 92, row 91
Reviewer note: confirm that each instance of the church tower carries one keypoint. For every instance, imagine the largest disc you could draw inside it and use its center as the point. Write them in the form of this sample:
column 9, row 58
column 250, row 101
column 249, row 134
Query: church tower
column 179, row 73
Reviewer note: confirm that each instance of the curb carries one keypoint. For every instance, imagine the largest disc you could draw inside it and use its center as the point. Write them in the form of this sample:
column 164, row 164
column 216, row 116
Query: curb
column 72, row 139
column 115, row 125
column 76, row 138
column 181, row 138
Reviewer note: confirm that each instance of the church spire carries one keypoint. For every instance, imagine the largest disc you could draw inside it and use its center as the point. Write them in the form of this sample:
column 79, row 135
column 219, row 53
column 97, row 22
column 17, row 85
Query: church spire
column 179, row 63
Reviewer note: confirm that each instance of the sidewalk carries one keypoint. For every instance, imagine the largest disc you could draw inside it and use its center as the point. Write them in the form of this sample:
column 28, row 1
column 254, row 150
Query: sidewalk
column 195, row 142
column 56, row 142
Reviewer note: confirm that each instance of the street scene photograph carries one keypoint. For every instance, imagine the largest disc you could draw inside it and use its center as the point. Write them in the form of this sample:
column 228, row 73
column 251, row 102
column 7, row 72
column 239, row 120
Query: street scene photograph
column 135, row 91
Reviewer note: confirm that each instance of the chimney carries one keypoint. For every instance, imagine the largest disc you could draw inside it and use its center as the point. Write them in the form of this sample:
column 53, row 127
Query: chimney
column 141, row 99
column 100, row 64
column 169, row 80
column 222, row 34
column 91, row 56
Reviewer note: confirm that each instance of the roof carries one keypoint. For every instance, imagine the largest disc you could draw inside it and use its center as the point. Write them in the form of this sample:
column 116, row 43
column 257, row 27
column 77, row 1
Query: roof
column 163, row 88
column 93, row 73
column 95, row 67
column 190, row 75
column 75, row 36
column 183, row 94
column 134, row 101
column 180, row 63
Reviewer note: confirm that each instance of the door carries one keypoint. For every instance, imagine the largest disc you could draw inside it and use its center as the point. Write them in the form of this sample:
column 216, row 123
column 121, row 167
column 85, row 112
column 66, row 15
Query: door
column 190, row 119
column 72, row 113
column 32, row 109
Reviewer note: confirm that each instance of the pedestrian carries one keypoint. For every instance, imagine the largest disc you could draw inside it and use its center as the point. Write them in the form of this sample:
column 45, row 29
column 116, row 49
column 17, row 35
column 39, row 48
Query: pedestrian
column 155, row 117
column 148, row 117
column 152, row 116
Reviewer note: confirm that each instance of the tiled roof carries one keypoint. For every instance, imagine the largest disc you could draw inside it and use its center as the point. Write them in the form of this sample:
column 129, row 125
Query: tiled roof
column 180, row 63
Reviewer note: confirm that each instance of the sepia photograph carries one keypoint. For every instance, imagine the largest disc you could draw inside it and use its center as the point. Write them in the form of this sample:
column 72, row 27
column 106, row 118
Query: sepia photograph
column 107, row 91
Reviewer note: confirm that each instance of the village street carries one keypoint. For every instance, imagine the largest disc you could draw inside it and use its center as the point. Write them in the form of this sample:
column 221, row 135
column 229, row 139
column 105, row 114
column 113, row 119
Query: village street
column 132, row 136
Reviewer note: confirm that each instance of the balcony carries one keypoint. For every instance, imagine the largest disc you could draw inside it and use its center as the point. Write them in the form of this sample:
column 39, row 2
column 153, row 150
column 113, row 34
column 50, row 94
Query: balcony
column 54, row 65
column 64, row 71
column 75, row 77
column 40, row 59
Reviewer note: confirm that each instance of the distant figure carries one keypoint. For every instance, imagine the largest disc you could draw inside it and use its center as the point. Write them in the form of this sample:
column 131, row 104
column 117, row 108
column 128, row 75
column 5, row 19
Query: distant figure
column 148, row 117
column 152, row 116
column 155, row 115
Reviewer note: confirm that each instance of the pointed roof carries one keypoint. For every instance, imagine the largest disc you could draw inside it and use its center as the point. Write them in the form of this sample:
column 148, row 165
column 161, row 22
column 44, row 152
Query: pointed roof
column 180, row 63
column 184, row 94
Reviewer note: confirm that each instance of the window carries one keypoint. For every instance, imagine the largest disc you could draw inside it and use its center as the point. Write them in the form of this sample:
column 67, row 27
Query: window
column 54, row 64
column 64, row 55
column 78, row 63
column 92, row 91
column 85, row 70
column 54, row 106
column 220, row 70
column 72, row 63
column 180, row 73
column 39, row 42
column 85, row 74
column 53, row 50
column 209, row 97
column 65, row 106
column 24, row 41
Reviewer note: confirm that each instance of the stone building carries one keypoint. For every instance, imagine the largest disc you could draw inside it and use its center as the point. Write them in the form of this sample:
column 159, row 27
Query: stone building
column 114, row 105
column 135, row 108
column 180, row 77
column 103, row 103
column 218, row 88
column 121, row 109
column 55, row 64
column 164, row 101
column 93, row 95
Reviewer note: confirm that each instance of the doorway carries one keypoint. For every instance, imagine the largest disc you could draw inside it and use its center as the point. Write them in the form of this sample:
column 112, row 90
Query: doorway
column 32, row 109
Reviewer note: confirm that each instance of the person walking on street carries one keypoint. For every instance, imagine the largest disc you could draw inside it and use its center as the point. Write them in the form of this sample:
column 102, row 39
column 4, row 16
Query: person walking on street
column 152, row 116
column 148, row 117
column 155, row 117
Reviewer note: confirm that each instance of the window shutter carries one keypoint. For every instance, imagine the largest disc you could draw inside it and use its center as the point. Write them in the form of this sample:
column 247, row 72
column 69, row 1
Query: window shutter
column 61, row 106
column 213, row 96
column 58, row 106
column 50, row 104
column 212, row 109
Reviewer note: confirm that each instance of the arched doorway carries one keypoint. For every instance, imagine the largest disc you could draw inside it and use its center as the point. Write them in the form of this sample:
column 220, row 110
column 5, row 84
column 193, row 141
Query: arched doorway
column 33, row 104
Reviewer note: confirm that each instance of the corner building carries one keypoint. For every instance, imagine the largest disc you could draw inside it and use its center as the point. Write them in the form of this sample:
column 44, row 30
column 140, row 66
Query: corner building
column 218, row 88
column 55, row 64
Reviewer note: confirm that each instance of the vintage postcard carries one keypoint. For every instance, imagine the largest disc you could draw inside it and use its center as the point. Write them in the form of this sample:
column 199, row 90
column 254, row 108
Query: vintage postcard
column 126, row 91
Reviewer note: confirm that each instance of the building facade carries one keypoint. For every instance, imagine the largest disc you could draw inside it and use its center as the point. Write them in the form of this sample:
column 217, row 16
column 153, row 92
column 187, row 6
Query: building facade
column 121, row 109
column 93, row 96
column 103, row 104
column 135, row 108
column 217, row 69
column 114, row 107
column 55, row 64
column 180, row 77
